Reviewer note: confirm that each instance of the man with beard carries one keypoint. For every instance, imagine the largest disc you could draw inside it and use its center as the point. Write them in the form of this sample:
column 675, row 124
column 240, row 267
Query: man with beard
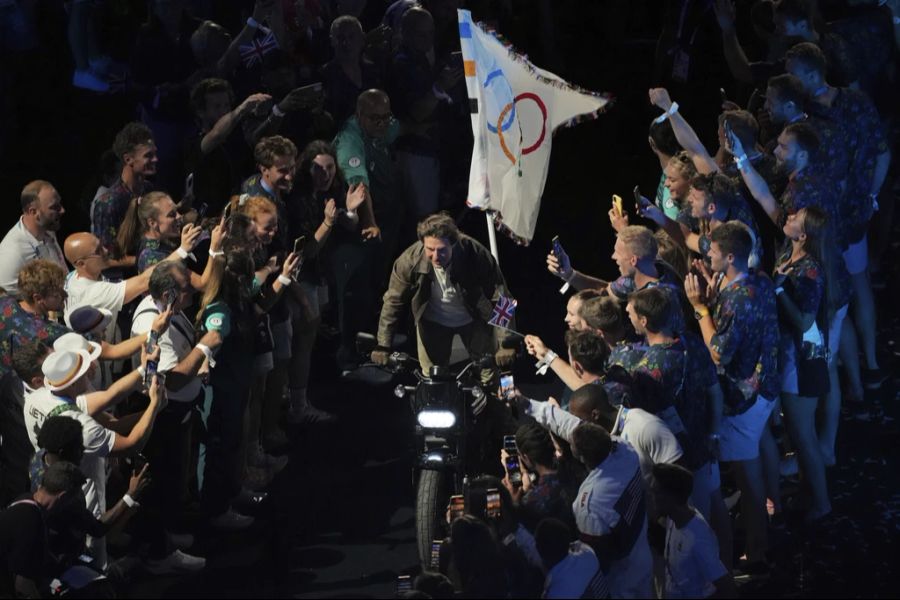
column 34, row 235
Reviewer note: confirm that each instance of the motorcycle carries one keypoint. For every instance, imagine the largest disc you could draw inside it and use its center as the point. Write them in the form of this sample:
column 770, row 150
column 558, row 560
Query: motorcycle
column 446, row 407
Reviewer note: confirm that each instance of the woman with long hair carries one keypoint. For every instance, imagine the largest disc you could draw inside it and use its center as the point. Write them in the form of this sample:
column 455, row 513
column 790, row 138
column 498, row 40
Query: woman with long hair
column 802, row 290
column 229, row 306
column 153, row 229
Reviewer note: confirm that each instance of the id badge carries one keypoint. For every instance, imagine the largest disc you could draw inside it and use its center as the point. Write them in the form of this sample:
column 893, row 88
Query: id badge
column 681, row 65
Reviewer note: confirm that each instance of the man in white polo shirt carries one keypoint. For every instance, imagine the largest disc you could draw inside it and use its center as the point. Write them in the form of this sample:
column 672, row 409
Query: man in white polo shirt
column 34, row 235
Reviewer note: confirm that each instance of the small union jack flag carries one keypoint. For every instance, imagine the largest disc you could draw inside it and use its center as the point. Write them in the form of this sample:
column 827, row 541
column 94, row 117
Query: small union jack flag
column 253, row 53
column 503, row 311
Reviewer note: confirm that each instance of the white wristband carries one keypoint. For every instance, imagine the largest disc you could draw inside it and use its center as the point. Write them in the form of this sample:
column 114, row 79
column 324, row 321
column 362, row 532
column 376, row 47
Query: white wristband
column 251, row 22
column 672, row 110
column 741, row 161
column 284, row 280
column 208, row 353
column 215, row 253
column 277, row 111
column 182, row 253
column 130, row 502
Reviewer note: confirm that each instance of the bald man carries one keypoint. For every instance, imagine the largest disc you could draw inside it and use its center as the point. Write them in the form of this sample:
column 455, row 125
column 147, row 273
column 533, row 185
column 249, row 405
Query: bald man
column 86, row 286
column 363, row 148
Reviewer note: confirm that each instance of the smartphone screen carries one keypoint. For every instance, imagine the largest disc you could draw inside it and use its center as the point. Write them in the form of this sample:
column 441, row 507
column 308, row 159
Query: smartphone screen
column 492, row 504
column 457, row 507
column 227, row 212
column 201, row 212
column 435, row 562
column 404, row 584
column 507, row 387
column 299, row 243
column 513, row 470
column 509, row 444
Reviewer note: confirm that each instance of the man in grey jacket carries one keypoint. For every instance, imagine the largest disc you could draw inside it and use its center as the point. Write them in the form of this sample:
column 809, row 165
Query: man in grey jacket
column 452, row 283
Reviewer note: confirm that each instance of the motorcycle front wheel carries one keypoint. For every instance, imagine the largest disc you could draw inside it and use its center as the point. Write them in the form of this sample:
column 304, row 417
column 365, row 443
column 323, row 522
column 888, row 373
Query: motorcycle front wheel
column 431, row 511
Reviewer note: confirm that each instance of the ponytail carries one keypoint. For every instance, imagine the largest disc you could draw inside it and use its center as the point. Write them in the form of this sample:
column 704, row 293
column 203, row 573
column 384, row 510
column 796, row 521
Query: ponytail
column 135, row 224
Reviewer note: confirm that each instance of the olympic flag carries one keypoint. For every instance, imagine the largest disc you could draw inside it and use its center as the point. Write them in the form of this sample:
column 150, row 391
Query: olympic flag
column 515, row 109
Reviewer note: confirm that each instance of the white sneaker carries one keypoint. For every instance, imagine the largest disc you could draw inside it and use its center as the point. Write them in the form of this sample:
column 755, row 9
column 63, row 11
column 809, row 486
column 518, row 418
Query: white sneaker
column 231, row 521
column 89, row 81
column 177, row 562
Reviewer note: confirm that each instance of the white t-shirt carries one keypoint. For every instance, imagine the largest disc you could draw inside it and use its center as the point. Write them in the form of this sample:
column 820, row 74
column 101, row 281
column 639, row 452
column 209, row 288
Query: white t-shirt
column 692, row 559
column 446, row 306
column 617, row 481
column 99, row 294
column 98, row 440
column 570, row 577
column 18, row 247
column 173, row 343
column 650, row 437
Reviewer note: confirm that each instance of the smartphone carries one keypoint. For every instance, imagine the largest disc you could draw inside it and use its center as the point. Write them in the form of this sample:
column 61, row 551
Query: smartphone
column 617, row 204
column 150, row 371
column 152, row 341
column 507, row 387
column 435, row 563
column 404, row 584
column 169, row 297
column 492, row 504
column 201, row 212
column 639, row 202
column 299, row 243
column 457, row 507
column 513, row 470
column 226, row 214
column 557, row 247
column 456, row 60
column 509, row 444
column 729, row 134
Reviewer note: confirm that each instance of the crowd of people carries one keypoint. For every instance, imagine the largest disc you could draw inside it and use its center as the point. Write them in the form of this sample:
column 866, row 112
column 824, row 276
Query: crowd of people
column 150, row 364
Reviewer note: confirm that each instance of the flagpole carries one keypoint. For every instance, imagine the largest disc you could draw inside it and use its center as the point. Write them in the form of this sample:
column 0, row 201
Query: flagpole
column 492, row 235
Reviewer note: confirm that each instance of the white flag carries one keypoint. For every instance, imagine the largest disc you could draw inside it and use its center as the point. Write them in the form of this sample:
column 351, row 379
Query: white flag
column 515, row 108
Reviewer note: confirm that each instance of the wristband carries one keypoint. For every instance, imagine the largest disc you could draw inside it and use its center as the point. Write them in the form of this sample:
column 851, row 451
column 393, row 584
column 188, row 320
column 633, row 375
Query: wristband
column 182, row 253
column 327, row 224
column 701, row 312
column 208, row 353
column 130, row 502
column 284, row 280
column 277, row 111
column 350, row 214
column 672, row 110
column 741, row 161
column 251, row 22
column 544, row 364
column 779, row 290
column 215, row 253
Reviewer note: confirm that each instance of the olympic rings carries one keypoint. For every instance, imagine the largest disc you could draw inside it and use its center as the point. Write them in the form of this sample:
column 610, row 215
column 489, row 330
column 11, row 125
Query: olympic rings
column 512, row 116
column 511, row 107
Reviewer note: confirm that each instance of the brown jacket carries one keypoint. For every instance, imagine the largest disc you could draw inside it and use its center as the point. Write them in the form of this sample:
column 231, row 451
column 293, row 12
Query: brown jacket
column 471, row 267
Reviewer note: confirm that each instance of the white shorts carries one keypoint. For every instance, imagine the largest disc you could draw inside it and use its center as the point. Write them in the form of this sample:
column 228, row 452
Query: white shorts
column 740, row 434
column 707, row 480
column 856, row 257
column 787, row 365
column 834, row 331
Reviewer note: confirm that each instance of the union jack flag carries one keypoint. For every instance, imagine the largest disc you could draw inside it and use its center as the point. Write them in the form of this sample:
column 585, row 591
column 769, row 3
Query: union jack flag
column 503, row 311
column 253, row 53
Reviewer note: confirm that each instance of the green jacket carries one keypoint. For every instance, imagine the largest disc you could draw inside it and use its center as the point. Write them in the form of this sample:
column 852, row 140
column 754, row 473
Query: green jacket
column 472, row 267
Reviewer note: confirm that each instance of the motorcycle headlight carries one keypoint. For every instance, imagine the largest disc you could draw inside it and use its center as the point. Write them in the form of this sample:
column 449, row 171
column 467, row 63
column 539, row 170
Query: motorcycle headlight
column 436, row 419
